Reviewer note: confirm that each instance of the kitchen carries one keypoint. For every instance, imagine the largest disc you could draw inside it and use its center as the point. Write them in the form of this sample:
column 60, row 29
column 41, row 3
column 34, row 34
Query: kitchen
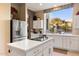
column 25, row 19
column 19, row 44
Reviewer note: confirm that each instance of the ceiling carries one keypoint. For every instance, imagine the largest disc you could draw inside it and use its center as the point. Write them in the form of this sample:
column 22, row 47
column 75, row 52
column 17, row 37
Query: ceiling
column 42, row 6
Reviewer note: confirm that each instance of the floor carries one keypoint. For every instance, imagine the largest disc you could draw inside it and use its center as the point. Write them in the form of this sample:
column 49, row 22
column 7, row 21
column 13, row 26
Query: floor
column 60, row 52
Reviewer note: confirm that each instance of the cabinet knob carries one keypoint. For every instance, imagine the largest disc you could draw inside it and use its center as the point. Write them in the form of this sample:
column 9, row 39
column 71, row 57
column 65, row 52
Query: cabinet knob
column 9, row 50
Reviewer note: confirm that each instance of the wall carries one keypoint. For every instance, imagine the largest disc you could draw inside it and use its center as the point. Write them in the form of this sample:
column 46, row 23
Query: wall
column 4, row 36
column 75, row 9
column 4, row 11
column 4, row 28
column 21, row 10
column 30, row 16
column 16, row 6
column 30, row 22
column 40, row 14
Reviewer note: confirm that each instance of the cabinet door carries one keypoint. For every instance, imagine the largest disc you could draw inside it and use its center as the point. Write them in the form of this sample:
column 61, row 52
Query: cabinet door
column 45, row 49
column 46, row 52
column 48, row 48
column 39, row 54
column 16, row 52
column 34, row 51
column 58, row 42
column 51, row 47
column 66, row 42
column 74, row 45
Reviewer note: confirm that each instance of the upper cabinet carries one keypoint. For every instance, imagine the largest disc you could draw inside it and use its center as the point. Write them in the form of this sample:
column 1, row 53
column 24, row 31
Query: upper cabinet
column 18, row 11
column 4, row 11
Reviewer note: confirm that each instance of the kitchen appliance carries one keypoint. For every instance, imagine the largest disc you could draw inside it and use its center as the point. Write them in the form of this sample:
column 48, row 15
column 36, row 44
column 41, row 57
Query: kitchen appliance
column 18, row 30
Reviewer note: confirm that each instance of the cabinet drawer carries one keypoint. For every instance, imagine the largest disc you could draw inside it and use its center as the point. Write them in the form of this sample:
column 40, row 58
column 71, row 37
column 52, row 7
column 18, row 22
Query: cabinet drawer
column 48, row 48
column 39, row 54
column 34, row 51
column 45, row 45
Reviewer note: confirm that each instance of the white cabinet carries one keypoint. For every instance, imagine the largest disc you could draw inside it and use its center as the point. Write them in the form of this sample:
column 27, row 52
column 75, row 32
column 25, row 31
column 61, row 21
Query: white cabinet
column 48, row 48
column 57, row 42
column 34, row 51
column 45, row 49
column 46, row 52
column 71, row 43
column 38, row 24
column 74, row 45
column 66, row 42
column 39, row 54
column 16, row 52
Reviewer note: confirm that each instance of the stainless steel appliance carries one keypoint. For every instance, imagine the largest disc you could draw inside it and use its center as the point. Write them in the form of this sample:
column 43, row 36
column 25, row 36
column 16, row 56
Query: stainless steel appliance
column 18, row 30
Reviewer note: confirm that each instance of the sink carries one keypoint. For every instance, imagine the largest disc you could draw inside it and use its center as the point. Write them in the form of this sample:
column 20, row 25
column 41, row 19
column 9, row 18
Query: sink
column 39, row 39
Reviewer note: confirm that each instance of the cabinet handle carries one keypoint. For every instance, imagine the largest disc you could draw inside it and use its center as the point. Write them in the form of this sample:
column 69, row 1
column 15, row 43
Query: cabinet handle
column 49, row 51
column 70, row 42
column 53, row 40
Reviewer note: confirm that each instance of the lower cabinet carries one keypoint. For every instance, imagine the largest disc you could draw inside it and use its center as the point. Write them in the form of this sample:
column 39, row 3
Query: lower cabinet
column 45, row 49
column 34, row 51
column 48, row 48
column 74, row 45
column 57, row 42
column 66, row 42
column 16, row 52
column 39, row 54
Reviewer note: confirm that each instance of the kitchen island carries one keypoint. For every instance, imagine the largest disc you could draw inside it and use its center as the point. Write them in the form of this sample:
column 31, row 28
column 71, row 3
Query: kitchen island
column 31, row 48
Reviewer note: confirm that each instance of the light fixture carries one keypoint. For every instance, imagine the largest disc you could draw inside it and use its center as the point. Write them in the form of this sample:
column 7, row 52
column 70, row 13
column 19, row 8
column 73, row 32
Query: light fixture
column 54, row 5
column 41, row 4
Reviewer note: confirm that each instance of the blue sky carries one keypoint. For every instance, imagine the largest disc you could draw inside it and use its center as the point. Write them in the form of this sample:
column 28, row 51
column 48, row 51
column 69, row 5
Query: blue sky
column 64, row 14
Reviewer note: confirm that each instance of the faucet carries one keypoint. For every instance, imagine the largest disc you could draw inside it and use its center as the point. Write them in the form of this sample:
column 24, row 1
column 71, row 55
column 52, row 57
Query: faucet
column 45, row 36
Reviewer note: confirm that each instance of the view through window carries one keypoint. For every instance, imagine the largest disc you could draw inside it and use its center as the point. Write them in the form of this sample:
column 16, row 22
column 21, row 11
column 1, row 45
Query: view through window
column 60, row 21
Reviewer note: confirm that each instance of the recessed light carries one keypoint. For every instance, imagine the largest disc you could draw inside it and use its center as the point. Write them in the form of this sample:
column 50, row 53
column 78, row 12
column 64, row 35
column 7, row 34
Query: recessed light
column 41, row 4
column 55, row 6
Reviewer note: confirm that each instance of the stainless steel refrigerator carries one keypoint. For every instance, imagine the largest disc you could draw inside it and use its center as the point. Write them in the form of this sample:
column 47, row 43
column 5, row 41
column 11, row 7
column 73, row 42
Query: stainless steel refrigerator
column 18, row 30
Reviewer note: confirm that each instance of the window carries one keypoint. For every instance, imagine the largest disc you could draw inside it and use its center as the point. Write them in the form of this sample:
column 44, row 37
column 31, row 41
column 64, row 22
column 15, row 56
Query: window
column 60, row 21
